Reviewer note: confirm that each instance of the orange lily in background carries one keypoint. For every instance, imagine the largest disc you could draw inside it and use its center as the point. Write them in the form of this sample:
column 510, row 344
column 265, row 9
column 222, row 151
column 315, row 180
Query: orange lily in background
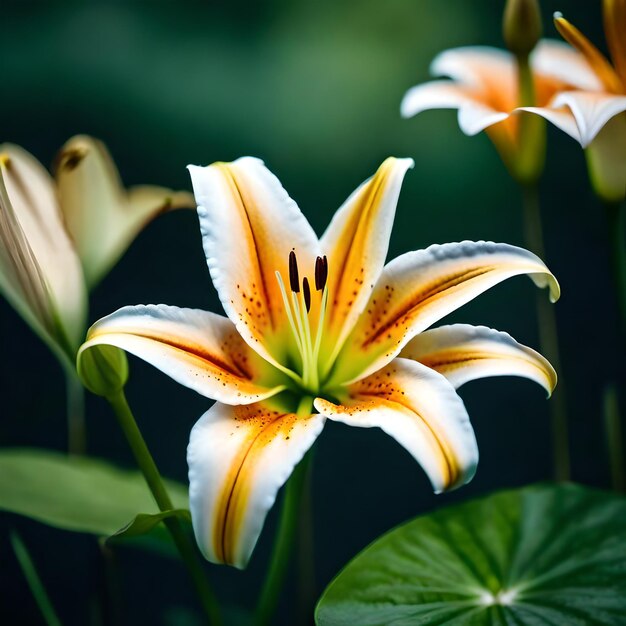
column 595, row 115
column 485, row 89
column 319, row 329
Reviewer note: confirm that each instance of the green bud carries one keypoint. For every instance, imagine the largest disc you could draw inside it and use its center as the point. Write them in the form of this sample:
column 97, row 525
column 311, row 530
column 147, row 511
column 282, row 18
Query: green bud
column 521, row 26
column 103, row 369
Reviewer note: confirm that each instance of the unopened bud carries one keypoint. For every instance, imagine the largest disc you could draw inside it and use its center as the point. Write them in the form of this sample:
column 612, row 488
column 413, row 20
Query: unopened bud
column 521, row 26
column 102, row 369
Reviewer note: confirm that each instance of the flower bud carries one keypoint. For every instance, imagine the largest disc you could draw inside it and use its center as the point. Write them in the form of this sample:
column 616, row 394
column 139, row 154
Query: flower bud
column 521, row 26
column 102, row 369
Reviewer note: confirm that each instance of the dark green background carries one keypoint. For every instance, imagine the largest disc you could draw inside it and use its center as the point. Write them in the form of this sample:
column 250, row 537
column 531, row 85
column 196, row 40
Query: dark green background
column 313, row 87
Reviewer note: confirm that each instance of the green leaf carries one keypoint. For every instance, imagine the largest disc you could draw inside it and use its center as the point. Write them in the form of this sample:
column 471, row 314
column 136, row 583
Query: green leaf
column 542, row 555
column 76, row 493
column 144, row 523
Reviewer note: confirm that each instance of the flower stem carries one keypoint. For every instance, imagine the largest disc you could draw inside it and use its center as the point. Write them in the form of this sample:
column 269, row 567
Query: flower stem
column 548, row 338
column 149, row 469
column 76, row 433
column 293, row 499
column 617, row 252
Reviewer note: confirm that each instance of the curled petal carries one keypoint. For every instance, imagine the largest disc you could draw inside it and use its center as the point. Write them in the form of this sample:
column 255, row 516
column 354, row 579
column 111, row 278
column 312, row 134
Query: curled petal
column 581, row 114
column 239, row 457
column 356, row 244
column 598, row 62
column 101, row 216
column 249, row 227
column 198, row 349
column 421, row 410
column 463, row 353
column 39, row 269
column 419, row 288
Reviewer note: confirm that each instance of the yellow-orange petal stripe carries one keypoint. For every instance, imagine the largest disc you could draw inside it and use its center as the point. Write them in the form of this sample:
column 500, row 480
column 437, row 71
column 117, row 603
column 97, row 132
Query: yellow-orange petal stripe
column 615, row 31
column 463, row 353
column 198, row 349
column 356, row 244
column 421, row 410
column 249, row 226
column 239, row 457
column 595, row 58
column 419, row 288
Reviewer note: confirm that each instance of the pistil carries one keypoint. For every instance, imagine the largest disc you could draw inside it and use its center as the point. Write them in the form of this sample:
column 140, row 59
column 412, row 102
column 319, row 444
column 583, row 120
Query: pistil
column 298, row 308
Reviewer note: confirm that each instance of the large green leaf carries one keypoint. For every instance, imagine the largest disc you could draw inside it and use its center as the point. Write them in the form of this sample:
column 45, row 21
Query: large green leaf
column 76, row 493
column 542, row 555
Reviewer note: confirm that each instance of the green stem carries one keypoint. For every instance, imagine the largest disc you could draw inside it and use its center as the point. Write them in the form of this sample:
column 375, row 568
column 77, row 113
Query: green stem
column 306, row 552
column 33, row 580
column 617, row 253
column 614, row 438
column 76, row 432
column 548, row 338
column 155, row 483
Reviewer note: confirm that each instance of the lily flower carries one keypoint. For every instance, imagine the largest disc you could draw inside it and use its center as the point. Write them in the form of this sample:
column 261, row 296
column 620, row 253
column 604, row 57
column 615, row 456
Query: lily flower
column 484, row 87
column 319, row 329
column 60, row 237
column 594, row 115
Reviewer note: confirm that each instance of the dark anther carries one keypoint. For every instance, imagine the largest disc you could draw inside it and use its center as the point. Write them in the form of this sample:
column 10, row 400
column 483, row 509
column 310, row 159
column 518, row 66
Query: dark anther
column 319, row 273
column 306, row 292
column 294, row 279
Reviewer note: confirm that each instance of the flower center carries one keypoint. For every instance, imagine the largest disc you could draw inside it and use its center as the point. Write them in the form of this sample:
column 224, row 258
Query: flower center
column 298, row 308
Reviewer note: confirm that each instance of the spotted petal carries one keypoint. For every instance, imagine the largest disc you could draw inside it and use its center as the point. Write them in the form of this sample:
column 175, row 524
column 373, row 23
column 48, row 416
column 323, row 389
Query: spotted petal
column 249, row 226
column 40, row 272
column 463, row 353
column 356, row 244
column 239, row 457
column 198, row 349
column 419, row 288
column 420, row 409
column 102, row 217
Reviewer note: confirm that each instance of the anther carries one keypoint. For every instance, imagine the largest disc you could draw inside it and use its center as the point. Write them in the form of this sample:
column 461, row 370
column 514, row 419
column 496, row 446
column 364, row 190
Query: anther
column 294, row 279
column 321, row 272
column 306, row 292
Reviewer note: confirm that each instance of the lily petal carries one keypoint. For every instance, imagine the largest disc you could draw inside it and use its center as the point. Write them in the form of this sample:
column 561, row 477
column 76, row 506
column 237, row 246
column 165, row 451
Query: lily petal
column 463, row 353
column 249, row 226
column 474, row 115
column 356, row 244
column 614, row 29
column 198, row 349
column 590, row 112
column 558, row 60
column 239, row 457
column 420, row 409
column 101, row 216
column 40, row 271
column 419, row 288
column 602, row 68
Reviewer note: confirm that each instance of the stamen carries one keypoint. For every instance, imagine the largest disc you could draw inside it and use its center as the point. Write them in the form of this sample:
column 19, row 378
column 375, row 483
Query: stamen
column 294, row 279
column 307, row 294
column 321, row 272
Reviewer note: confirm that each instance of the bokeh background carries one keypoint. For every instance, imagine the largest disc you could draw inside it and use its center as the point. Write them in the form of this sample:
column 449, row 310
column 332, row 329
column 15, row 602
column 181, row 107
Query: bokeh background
column 313, row 87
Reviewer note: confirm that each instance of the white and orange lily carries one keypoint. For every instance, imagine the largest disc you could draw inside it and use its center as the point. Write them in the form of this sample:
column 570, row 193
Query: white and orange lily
column 59, row 237
column 595, row 114
column 320, row 329
column 484, row 87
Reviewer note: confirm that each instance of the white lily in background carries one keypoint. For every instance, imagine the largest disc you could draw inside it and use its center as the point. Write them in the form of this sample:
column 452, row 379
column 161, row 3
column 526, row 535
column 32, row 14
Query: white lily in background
column 595, row 114
column 484, row 87
column 319, row 329
column 59, row 237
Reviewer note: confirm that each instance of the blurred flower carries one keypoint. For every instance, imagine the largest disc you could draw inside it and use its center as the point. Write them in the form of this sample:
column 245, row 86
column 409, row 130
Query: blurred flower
column 594, row 113
column 58, row 238
column 485, row 89
column 319, row 325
